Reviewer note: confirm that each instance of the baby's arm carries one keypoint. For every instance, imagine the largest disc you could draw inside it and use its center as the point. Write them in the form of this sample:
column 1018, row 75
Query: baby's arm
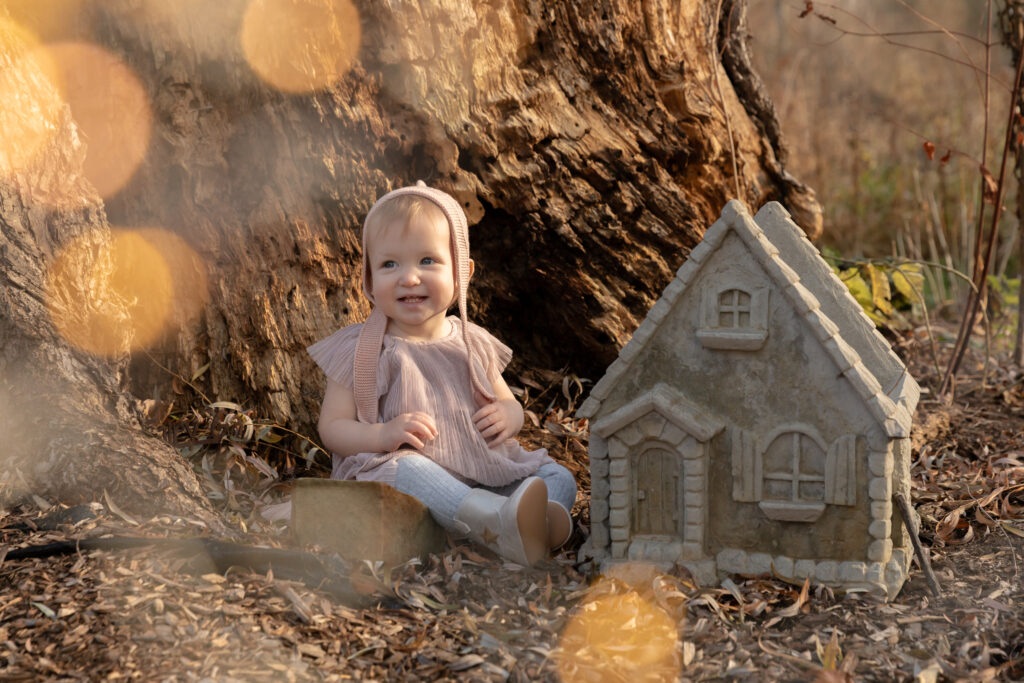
column 344, row 435
column 502, row 419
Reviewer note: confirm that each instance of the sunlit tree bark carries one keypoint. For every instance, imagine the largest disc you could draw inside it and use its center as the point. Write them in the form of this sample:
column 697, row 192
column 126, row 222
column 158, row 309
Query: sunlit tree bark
column 590, row 143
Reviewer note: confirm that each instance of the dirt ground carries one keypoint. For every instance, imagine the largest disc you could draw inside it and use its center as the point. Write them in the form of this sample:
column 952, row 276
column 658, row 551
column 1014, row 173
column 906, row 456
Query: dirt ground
column 183, row 613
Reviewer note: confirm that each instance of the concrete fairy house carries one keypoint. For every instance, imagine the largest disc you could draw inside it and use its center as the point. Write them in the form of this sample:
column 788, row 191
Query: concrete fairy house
column 756, row 422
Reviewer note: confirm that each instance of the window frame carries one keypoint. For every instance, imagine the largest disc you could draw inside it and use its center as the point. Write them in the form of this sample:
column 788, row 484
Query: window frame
column 794, row 509
column 750, row 337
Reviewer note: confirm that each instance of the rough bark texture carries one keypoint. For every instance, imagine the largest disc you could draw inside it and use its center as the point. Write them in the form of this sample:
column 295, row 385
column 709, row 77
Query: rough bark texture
column 69, row 428
column 591, row 144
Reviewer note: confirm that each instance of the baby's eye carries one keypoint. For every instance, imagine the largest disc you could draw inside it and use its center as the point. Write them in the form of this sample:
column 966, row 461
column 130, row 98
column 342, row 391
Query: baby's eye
column 389, row 264
column 427, row 261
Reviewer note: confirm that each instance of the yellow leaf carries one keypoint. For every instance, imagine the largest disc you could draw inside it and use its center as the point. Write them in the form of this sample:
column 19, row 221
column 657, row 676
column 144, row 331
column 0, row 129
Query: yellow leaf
column 908, row 280
column 199, row 373
column 881, row 295
column 116, row 510
column 832, row 655
column 858, row 287
column 1013, row 530
column 266, row 433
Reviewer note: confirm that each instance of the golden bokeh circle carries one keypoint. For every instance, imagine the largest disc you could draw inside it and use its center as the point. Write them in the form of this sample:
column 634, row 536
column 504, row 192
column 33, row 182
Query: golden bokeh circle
column 30, row 106
column 110, row 107
column 619, row 637
column 108, row 294
column 299, row 46
column 51, row 20
column 188, row 274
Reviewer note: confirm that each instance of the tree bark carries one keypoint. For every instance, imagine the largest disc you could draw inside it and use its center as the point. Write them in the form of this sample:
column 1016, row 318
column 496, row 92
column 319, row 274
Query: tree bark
column 69, row 426
column 590, row 143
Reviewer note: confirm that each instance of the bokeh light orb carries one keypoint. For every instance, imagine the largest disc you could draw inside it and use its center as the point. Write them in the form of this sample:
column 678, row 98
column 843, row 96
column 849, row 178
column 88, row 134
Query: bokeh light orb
column 50, row 20
column 299, row 46
column 188, row 274
column 110, row 107
column 204, row 29
column 108, row 296
column 619, row 637
column 30, row 106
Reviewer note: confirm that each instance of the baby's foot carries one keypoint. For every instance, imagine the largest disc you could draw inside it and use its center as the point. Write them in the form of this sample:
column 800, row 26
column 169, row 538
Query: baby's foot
column 559, row 525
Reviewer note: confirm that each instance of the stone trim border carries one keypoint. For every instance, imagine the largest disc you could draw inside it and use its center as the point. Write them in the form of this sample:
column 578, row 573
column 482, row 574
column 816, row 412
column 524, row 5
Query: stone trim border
column 878, row 577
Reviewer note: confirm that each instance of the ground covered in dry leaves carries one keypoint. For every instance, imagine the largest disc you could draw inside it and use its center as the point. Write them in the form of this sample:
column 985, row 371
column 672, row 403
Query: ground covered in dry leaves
column 173, row 612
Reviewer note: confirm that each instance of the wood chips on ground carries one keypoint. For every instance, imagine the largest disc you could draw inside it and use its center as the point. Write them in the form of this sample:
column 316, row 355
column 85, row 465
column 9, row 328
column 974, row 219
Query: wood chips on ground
column 153, row 614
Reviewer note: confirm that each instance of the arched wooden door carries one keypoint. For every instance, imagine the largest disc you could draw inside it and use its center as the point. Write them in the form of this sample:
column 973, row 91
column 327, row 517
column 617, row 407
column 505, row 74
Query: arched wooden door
column 657, row 507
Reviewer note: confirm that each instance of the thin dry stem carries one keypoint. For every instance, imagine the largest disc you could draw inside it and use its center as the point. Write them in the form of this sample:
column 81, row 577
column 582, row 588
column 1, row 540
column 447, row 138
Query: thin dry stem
column 1018, row 342
column 884, row 36
column 981, row 275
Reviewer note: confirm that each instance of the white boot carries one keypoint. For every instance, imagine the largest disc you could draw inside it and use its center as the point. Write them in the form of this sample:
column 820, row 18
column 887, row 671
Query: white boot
column 515, row 527
column 559, row 525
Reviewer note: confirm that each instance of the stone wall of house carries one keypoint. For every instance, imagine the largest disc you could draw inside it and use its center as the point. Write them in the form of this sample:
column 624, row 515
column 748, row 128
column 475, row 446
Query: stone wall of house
column 840, row 533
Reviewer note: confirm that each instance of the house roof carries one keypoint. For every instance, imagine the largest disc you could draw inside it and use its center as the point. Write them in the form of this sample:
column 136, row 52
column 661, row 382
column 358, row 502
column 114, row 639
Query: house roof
column 846, row 334
column 668, row 403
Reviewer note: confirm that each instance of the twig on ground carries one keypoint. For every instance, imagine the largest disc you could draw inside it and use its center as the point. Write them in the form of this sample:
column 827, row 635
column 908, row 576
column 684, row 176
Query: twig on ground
column 922, row 556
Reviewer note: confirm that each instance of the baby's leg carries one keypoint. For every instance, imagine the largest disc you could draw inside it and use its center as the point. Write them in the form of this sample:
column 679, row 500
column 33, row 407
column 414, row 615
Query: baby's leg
column 514, row 526
column 561, row 484
column 432, row 485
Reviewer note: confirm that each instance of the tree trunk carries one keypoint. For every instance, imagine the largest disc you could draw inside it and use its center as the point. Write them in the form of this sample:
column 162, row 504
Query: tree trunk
column 69, row 427
column 590, row 143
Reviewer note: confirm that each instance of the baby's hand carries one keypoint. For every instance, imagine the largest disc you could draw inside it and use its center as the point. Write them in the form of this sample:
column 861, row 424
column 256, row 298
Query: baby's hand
column 414, row 429
column 497, row 421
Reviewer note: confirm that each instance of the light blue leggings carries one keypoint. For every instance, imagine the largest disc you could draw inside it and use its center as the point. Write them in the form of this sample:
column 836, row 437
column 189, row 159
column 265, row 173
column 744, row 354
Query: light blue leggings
column 435, row 487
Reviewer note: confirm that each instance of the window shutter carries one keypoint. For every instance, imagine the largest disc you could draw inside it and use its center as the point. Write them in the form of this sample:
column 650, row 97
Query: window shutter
column 746, row 466
column 841, row 471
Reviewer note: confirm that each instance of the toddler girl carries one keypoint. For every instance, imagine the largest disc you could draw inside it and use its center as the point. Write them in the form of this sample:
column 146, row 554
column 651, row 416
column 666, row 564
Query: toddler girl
column 415, row 397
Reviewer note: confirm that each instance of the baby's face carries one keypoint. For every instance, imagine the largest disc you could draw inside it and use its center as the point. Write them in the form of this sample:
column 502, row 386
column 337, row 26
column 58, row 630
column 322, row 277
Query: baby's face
column 412, row 276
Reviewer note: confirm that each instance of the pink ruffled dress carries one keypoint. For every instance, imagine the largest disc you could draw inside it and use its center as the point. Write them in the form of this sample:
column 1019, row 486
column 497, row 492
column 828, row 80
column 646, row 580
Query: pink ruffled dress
column 431, row 377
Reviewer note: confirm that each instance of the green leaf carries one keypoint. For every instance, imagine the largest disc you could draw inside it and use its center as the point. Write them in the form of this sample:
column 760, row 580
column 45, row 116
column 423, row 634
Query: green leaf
column 1007, row 289
column 831, row 256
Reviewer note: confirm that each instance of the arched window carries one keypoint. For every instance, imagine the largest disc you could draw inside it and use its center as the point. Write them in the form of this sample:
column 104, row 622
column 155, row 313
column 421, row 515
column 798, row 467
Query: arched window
column 794, row 478
column 794, row 469
column 734, row 316
column 734, row 309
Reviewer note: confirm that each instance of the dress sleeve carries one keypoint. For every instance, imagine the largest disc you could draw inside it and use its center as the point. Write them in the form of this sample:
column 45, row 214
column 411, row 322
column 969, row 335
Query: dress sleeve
column 335, row 354
column 496, row 355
